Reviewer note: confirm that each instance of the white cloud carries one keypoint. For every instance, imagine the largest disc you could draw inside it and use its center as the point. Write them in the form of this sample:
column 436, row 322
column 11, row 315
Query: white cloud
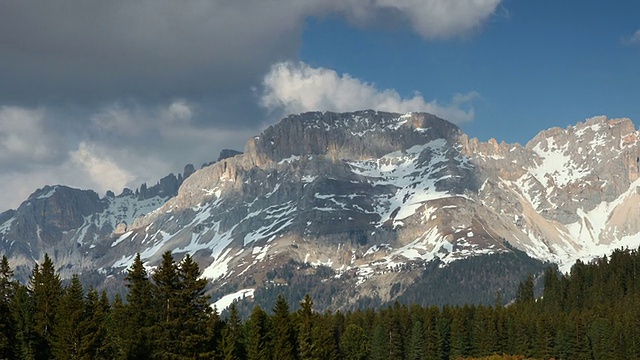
column 433, row 18
column 297, row 87
column 102, row 171
column 634, row 39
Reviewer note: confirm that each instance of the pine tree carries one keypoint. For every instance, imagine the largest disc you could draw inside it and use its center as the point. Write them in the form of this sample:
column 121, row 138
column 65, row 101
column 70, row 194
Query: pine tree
column 417, row 341
column 444, row 334
column 117, row 324
column 354, row 343
column 305, row 321
column 167, row 289
column 228, row 348
column 232, row 346
column 284, row 336
column 258, row 339
column 379, row 343
column 431, row 333
column 396, row 336
column 214, row 334
column 551, row 295
column 47, row 291
column 461, row 331
column 95, row 342
column 525, row 291
column 484, row 334
column 136, row 317
column 68, row 332
column 544, row 337
column 7, row 327
column 325, row 338
column 193, row 312
column 22, row 311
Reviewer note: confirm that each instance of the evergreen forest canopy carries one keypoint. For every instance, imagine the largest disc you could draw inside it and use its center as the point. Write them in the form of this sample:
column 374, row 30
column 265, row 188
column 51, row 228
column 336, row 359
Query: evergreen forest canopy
column 592, row 313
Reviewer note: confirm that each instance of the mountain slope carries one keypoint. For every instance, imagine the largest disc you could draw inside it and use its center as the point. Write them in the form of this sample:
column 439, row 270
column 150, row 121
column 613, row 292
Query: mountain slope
column 362, row 200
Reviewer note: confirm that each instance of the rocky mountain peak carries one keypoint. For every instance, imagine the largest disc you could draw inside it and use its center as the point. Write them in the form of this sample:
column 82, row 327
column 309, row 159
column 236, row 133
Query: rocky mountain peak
column 60, row 206
column 358, row 135
column 369, row 197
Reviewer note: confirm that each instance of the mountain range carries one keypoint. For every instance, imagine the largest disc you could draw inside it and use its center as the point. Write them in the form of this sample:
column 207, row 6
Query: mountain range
column 359, row 208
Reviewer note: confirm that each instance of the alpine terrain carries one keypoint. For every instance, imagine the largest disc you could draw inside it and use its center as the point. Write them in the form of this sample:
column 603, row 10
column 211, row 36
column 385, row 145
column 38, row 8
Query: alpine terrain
column 360, row 208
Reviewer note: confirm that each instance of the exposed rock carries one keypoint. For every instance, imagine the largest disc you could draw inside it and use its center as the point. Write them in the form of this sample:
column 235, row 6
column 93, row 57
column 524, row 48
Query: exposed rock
column 364, row 193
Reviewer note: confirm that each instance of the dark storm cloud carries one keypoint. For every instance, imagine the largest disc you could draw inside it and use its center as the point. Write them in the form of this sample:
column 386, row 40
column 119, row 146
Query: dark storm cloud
column 80, row 51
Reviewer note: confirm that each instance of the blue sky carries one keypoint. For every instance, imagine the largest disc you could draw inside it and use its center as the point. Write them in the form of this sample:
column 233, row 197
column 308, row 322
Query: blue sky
column 112, row 94
column 535, row 64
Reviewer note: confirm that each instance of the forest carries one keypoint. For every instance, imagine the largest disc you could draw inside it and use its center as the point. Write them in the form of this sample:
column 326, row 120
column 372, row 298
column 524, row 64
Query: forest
column 591, row 313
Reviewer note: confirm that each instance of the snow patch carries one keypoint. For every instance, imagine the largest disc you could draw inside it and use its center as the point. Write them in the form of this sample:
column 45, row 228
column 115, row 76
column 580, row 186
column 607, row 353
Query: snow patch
column 224, row 302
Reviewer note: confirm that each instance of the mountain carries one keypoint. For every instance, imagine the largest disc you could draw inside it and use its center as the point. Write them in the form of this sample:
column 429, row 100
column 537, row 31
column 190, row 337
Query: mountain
column 358, row 208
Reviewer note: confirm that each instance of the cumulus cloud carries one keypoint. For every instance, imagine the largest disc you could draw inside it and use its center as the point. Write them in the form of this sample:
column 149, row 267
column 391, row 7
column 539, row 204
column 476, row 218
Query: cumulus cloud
column 294, row 87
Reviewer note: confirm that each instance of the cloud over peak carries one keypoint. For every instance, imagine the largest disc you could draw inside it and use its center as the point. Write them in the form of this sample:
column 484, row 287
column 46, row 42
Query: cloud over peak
column 295, row 87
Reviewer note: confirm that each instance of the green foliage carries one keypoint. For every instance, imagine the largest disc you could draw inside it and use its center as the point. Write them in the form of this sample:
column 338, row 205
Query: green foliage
column 46, row 293
column 259, row 335
column 67, row 332
column 284, row 335
column 476, row 280
column 354, row 343
column 7, row 327
column 591, row 313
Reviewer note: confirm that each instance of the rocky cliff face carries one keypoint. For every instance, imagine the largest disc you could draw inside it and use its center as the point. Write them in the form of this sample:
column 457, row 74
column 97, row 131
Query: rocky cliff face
column 77, row 227
column 370, row 195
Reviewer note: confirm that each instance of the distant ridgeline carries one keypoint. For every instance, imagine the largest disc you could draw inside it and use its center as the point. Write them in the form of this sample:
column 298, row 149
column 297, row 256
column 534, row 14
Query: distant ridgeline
column 592, row 313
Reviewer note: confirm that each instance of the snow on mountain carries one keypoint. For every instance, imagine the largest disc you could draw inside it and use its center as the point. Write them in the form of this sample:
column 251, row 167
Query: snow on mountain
column 366, row 194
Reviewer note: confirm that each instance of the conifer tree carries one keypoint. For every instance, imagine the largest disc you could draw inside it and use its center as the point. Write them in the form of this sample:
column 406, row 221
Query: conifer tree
column 395, row 334
column 461, row 331
column 193, row 312
column 325, row 339
column 379, row 343
column 525, row 291
column 68, row 332
column 431, row 333
column 232, row 346
column 284, row 336
column 354, row 343
column 258, row 335
column 484, row 334
column 95, row 342
column 117, row 324
column 417, row 347
column 444, row 333
column 214, row 334
column 22, row 310
column 306, row 321
column 166, row 296
column 136, row 317
column 47, row 291
column 7, row 326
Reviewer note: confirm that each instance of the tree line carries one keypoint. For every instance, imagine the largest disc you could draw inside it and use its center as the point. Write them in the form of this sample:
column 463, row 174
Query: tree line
column 591, row 313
